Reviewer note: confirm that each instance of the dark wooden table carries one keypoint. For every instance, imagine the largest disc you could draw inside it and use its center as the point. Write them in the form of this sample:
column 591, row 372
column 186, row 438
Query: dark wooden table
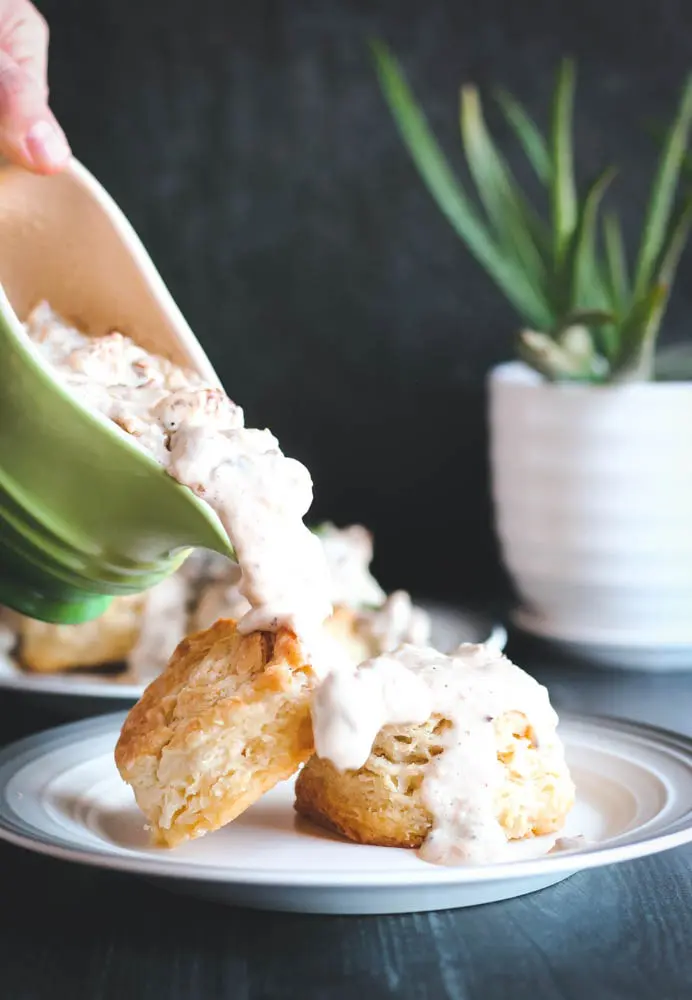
column 620, row 933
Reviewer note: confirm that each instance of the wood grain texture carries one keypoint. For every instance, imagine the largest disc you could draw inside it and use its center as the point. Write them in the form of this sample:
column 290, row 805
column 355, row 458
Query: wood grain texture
column 619, row 933
column 251, row 148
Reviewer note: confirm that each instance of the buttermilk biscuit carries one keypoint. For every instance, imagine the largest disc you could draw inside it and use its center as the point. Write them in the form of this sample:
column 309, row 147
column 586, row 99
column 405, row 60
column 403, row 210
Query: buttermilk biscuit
column 226, row 721
column 382, row 803
column 47, row 648
column 342, row 626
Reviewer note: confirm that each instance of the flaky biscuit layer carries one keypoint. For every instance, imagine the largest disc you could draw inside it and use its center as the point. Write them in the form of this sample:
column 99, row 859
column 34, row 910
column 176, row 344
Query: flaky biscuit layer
column 227, row 720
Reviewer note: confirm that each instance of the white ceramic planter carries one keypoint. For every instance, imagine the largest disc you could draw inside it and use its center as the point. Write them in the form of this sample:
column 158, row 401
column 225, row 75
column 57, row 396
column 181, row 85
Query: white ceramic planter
column 592, row 489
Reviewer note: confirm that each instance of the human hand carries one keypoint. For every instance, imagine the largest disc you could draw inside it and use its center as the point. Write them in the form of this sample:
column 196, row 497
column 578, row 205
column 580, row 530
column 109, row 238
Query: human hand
column 29, row 133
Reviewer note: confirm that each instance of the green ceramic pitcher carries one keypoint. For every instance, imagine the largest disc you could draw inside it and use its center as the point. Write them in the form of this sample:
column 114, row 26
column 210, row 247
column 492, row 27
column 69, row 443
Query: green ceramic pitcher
column 84, row 513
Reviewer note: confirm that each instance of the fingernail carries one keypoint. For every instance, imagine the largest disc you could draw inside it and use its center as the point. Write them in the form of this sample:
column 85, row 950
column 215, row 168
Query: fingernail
column 47, row 146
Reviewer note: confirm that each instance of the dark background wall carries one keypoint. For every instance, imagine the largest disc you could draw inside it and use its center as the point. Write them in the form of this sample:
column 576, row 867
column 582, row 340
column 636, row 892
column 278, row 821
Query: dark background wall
column 250, row 147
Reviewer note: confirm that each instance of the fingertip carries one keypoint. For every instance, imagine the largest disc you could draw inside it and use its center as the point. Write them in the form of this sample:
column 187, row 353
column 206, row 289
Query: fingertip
column 46, row 146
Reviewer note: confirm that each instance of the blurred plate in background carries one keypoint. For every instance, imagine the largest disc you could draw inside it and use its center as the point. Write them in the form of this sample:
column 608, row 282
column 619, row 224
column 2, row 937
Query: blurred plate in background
column 81, row 693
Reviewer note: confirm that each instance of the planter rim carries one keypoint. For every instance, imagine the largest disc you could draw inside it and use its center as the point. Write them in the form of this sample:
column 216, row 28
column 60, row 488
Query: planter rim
column 519, row 374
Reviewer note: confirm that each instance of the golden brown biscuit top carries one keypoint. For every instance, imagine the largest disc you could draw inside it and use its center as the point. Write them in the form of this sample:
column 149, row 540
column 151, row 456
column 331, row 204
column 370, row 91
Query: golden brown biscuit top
column 209, row 674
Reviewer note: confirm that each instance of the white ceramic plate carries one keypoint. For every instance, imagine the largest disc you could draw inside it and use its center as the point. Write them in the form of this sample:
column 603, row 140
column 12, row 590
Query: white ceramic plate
column 607, row 648
column 60, row 794
column 82, row 693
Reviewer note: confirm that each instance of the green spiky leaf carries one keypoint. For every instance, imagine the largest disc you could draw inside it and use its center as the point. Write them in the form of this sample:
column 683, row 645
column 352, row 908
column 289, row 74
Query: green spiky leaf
column 449, row 193
column 663, row 194
column 616, row 262
column 589, row 320
column 640, row 329
column 527, row 133
column 630, row 361
column 515, row 223
column 563, row 189
column 665, row 277
column 581, row 283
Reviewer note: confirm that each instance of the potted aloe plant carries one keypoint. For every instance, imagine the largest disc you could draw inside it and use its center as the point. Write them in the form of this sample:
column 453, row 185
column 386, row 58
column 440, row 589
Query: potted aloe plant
column 591, row 452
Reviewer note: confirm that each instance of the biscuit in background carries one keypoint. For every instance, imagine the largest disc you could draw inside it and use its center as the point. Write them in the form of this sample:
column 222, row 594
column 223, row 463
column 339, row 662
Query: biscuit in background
column 46, row 648
column 343, row 626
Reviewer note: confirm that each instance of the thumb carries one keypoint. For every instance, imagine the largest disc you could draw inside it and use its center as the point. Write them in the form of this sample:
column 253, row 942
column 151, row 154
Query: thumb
column 29, row 134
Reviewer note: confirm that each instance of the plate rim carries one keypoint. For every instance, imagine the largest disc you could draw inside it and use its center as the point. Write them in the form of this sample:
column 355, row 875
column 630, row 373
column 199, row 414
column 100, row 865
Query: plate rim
column 24, row 751
column 83, row 685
